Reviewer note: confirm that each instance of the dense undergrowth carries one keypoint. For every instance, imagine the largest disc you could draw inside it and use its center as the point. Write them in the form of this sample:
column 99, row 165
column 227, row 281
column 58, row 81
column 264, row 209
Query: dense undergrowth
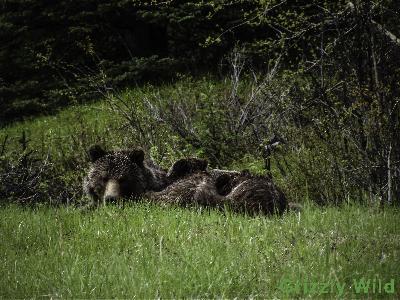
column 229, row 122
column 320, row 78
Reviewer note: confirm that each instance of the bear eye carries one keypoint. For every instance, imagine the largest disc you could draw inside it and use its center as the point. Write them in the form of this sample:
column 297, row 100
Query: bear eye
column 97, row 190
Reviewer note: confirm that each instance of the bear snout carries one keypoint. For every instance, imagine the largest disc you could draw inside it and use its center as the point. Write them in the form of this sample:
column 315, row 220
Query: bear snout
column 112, row 191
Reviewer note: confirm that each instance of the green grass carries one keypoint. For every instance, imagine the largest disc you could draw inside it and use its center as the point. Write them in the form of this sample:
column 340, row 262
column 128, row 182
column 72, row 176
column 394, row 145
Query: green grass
column 148, row 251
column 69, row 133
column 65, row 131
column 86, row 124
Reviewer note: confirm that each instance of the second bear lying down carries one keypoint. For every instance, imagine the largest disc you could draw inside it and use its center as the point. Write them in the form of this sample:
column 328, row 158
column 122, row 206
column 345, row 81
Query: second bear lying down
column 240, row 191
column 123, row 174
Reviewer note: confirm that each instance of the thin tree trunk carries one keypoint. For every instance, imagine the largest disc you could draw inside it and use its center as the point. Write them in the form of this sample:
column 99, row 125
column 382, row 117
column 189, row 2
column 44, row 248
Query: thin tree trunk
column 389, row 175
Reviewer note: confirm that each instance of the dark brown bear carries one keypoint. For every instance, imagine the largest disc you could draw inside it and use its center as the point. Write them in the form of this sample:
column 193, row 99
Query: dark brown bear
column 194, row 189
column 186, row 166
column 254, row 194
column 188, row 184
column 121, row 174
column 240, row 191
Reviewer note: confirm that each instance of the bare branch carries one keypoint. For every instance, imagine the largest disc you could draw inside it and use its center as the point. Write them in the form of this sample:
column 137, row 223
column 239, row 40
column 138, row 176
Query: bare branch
column 386, row 32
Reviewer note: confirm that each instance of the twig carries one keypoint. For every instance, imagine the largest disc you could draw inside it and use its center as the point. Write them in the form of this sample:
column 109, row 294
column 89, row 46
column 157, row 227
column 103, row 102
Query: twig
column 3, row 146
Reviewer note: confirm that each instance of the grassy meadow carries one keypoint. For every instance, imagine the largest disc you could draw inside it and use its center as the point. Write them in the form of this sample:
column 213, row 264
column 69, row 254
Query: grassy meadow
column 146, row 251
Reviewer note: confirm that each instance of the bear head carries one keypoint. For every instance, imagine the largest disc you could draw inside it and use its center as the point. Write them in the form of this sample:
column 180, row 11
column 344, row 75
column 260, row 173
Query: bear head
column 115, row 174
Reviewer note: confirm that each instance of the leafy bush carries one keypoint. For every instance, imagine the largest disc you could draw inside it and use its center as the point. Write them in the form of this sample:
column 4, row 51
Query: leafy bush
column 29, row 180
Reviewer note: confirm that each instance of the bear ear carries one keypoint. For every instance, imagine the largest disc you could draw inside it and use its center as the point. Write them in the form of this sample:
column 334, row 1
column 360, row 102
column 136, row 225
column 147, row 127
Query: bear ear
column 223, row 184
column 137, row 156
column 179, row 169
column 186, row 166
column 204, row 164
column 95, row 152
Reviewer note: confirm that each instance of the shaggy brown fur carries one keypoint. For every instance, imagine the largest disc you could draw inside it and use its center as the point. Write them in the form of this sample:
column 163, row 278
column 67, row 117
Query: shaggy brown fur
column 194, row 189
column 121, row 174
column 186, row 166
column 240, row 191
column 255, row 194
column 189, row 184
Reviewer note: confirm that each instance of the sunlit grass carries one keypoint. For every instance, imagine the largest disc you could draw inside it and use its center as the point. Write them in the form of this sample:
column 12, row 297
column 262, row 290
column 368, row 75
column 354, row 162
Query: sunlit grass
column 147, row 251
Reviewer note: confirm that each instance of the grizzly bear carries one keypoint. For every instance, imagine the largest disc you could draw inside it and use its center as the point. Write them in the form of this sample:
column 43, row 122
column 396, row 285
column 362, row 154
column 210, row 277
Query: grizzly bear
column 254, row 194
column 186, row 166
column 240, row 191
column 188, row 183
column 194, row 189
column 121, row 174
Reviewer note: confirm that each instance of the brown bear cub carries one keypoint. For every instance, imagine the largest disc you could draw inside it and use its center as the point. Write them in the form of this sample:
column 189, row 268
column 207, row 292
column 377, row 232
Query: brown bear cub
column 186, row 166
column 240, row 191
column 254, row 194
column 189, row 184
column 196, row 189
column 121, row 174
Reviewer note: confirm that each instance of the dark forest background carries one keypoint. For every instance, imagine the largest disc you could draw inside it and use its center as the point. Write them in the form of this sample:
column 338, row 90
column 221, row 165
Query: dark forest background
column 49, row 49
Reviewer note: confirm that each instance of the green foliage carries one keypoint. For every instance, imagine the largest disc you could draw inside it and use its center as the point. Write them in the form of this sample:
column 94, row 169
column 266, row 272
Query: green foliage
column 147, row 251
column 320, row 160
column 51, row 50
column 336, row 110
